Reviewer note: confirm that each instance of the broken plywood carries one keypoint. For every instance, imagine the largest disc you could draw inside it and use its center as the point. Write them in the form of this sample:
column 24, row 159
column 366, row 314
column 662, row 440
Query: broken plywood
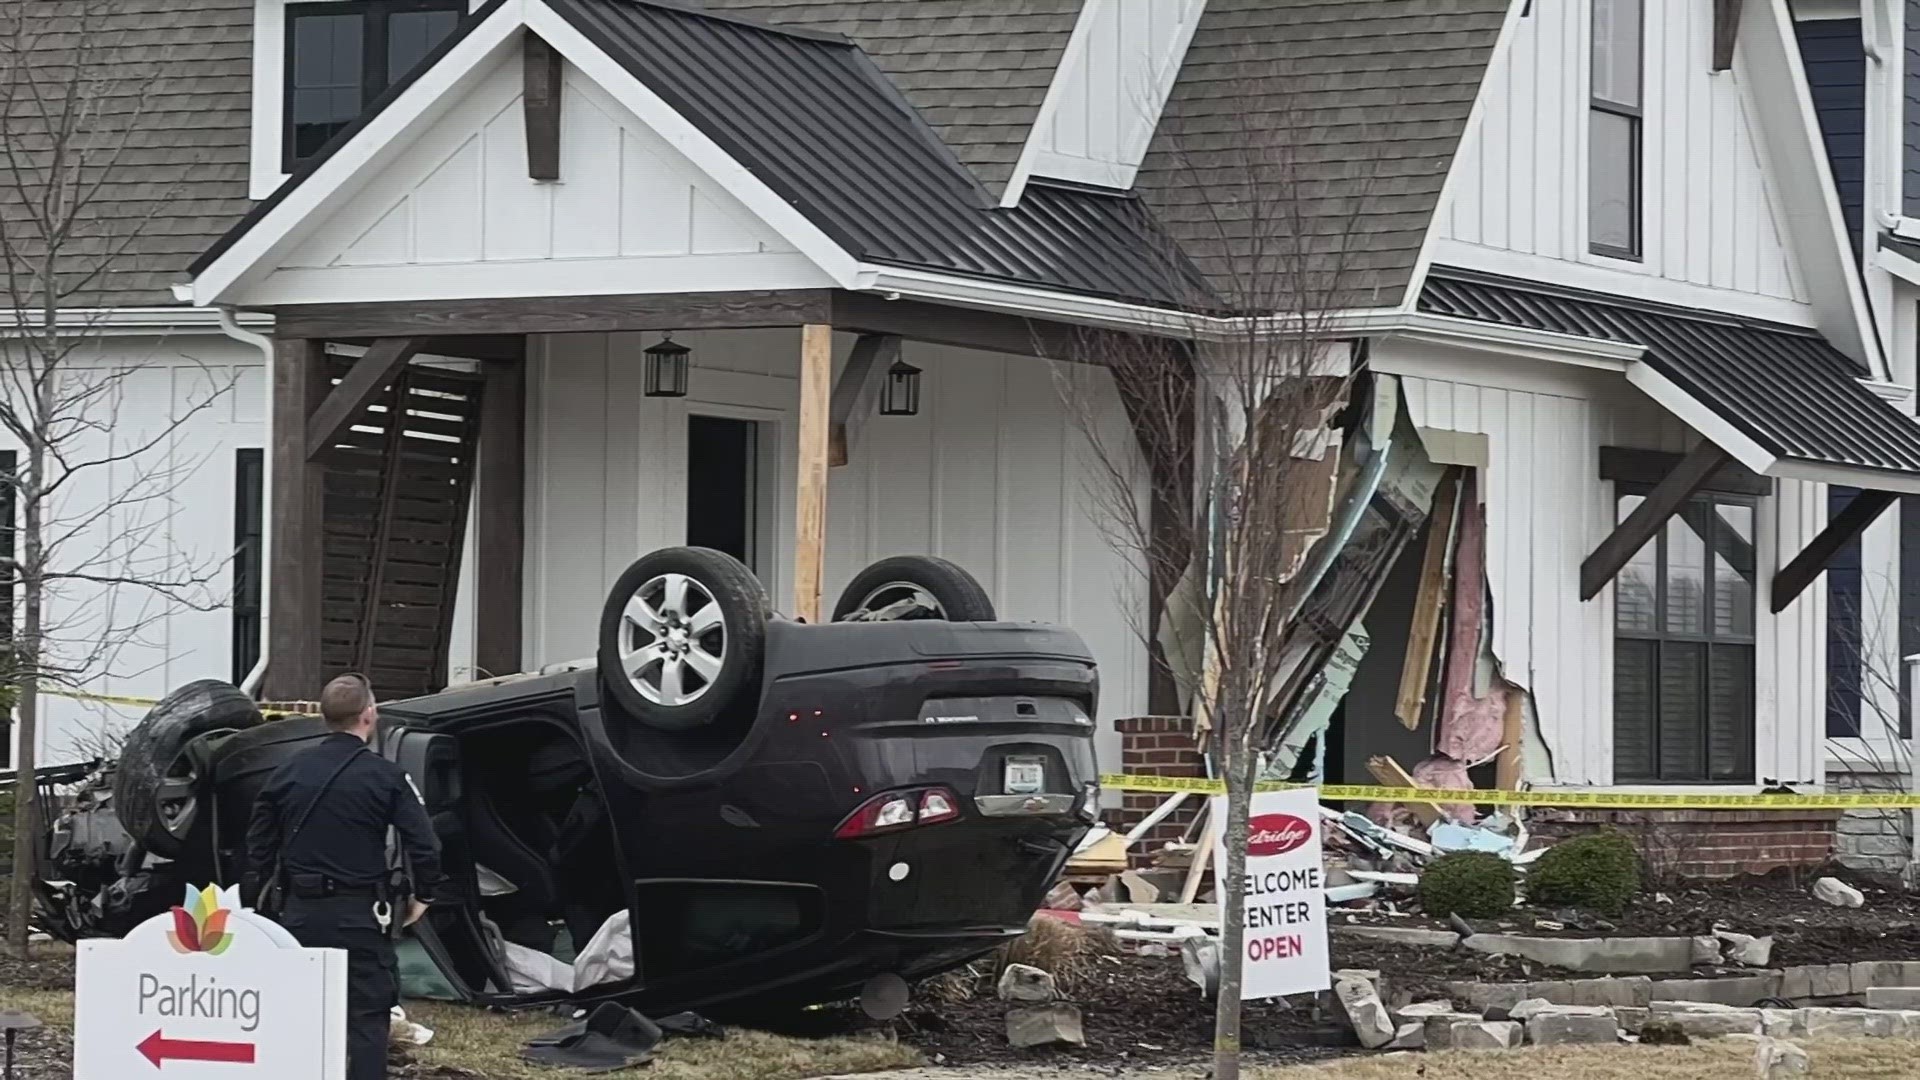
column 1422, row 642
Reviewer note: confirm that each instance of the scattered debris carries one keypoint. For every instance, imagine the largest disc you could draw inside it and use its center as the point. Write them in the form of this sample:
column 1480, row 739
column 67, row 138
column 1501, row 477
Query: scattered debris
column 1026, row 983
column 1664, row 1032
column 1838, row 893
column 1057, row 1024
column 1744, row 949
column 1776, row 1060
column 404, row 1032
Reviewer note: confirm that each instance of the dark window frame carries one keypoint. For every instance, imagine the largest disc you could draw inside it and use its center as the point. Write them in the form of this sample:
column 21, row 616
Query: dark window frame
column 1634, row 114
column 1709, row 637
column 374, row 15
column 249, row 528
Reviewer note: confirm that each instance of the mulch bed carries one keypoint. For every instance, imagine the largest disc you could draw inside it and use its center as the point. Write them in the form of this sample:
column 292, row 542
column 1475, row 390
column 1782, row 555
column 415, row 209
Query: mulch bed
column 1780, row 904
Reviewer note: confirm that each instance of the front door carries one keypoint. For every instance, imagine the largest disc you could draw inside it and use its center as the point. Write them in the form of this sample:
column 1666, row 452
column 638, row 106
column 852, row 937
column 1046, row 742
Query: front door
column 726, row 510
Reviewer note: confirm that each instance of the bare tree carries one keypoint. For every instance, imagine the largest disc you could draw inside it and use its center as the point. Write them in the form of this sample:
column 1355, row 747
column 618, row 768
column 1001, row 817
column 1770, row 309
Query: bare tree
column 1254, row 444
column 93, row 568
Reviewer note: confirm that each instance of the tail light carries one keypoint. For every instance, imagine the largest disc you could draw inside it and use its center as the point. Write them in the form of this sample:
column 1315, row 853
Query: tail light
column 896, row 810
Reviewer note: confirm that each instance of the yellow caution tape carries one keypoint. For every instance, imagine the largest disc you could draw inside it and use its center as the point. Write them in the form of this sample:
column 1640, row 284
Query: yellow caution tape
column 275, row 708
column 1603, row 800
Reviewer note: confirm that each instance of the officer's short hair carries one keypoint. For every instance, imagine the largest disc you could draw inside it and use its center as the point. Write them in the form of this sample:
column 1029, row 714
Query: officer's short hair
column 344, row 699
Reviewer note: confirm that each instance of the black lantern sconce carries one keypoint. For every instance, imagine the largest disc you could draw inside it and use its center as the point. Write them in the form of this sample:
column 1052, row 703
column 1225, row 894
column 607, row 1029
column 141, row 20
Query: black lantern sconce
column 902, row 394
column 667, row 368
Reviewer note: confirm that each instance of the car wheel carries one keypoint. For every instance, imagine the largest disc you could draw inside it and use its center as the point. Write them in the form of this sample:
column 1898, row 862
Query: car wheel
column 914, row 587
column 156, row 785
column 682, row 635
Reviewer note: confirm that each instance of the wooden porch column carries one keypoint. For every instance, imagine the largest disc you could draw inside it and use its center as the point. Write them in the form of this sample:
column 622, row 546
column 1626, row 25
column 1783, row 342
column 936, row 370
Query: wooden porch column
column 500, row 519
column 810, row 515
column 293, row 603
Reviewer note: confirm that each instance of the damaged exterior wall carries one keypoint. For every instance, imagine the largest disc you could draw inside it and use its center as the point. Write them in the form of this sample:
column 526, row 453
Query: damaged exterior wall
column 1547, row 508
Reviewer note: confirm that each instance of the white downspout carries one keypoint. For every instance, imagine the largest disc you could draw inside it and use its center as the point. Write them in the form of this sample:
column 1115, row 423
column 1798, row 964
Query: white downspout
column 232, row 329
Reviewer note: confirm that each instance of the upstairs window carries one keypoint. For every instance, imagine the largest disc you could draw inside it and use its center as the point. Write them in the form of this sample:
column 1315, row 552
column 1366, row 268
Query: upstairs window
column 1613, row 121
column 342, row 54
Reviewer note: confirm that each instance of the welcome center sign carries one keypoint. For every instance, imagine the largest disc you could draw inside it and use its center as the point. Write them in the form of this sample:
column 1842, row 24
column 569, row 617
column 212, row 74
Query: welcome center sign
column 209, row 991
column 1286, row 909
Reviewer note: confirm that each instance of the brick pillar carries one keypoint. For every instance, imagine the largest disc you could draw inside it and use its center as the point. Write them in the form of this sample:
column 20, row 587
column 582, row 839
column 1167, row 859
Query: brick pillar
column 1156, row 746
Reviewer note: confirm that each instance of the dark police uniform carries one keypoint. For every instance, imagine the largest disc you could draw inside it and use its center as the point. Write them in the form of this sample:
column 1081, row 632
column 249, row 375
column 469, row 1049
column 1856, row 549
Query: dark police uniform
column 335, row 870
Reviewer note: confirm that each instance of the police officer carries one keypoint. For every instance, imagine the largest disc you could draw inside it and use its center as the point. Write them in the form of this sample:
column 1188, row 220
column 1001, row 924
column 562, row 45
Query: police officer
column 319, row 832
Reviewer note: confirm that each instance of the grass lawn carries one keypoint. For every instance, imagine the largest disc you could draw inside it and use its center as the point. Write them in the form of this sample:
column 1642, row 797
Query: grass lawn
column 1718, row 1059
column 485, row 1044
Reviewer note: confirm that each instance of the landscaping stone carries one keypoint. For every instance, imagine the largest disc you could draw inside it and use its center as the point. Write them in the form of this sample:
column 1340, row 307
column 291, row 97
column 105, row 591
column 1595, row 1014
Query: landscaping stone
column 1486, row 1035
column 1631, row 1019
column 1617, row 955
column 1025, row 983
column 1632, row 991
column 1438, row 1030
column 1776, row 1060
column 1893, row 997
column 1817, row 981
column 1713, row 1025
column 1409, row 1036
column 1777, row 1023
column 1573, row 1029
column 1533, row 1007
column 1741, row 991
column 1838, row 893
column 1402, row 935
column 1706, row 949
column 1871, row 973
column 1745, row 949
column 1361, row 1004
column 1422, row 1012
column 1856, row 1023
column 1045, row 1025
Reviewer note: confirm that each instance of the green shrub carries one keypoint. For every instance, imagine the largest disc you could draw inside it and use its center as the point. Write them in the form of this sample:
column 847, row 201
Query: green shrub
column 1470, row 884
column 1598, row 872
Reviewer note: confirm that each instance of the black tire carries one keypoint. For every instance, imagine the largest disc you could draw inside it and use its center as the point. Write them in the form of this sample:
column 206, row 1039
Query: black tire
column 155, row 787
column 740, row 634
column 955, row 594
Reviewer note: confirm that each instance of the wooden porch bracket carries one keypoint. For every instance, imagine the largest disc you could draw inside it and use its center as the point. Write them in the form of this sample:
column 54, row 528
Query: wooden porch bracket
column 872, row 353
column 1793, row 578
column 1647, row 519
column 810, row 513
column 296, row 520
column 369, row 375
column 542, row 67
column 500, row 519
column 1726, row 31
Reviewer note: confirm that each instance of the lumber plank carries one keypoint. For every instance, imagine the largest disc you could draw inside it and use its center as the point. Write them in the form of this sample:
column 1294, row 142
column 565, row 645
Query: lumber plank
column 810, row 515
column 1429, row 602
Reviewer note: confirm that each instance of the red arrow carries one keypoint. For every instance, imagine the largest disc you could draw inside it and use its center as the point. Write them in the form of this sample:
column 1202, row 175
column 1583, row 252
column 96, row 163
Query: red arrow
column 159, row 1049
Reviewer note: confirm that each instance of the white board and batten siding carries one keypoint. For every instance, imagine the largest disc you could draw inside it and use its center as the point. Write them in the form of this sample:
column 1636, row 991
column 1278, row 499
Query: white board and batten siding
column 1105, row 101
column 1714, row 232
column 454, row 215
column 1547, row 509
column 164, row 513
column 994, row 474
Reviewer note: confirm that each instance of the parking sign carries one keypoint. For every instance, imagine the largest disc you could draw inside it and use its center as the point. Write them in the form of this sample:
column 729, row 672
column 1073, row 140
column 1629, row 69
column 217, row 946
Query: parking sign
column 209, row 991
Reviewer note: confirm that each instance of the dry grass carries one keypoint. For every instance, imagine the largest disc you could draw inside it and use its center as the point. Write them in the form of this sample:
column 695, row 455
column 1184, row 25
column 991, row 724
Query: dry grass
column 1066, row 951
column 482, row 1044
column 1719, row 1059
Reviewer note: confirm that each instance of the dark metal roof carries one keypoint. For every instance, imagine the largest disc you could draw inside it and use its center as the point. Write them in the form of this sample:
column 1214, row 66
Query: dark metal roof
column 1784, row 387
column 812, row 117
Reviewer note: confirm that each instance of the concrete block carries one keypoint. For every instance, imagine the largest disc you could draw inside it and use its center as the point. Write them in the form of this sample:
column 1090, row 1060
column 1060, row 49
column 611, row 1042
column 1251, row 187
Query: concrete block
column 1816, row 981
column 1615, row 956
column 1484, row 996
column 1411, row 1035
column 1713, row 1025
column 1631, row 1019
column 1745, row 949
column 1361, row 1004
column 1533, row 1007
column 1632, row 991
column 1776, row 1023
column 1423, row 1011
column 1851, row 1023
column 1045, row 1025
column 1402, row 935
column 1572, row 1029
column 1838, row 893
column 1741, row 992
column 1558, row 991
column 1439, row 1029
column 1706, row 949
column 1025, row 983
column 1871, row 973
column 1776, row 1060
column 1893, row 997
column 1486, row 1035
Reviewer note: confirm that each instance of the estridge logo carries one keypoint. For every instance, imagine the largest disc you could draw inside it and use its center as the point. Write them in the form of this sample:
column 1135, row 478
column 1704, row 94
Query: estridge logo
column 1277, row 834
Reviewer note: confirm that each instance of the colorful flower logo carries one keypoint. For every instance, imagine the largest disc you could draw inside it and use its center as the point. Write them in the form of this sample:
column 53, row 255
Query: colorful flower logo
column 200, row 925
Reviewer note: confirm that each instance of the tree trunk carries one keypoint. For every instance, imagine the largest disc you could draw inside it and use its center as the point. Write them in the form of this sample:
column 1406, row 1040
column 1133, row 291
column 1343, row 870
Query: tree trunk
column 1239, row 766
column 26, row 668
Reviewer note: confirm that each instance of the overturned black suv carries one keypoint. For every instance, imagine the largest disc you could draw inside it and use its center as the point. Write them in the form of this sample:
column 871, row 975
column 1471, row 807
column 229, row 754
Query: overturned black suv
column 728, row 808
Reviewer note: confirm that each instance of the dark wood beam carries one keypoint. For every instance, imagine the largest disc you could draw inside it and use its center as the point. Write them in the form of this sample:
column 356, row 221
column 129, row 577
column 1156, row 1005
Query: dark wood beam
column 1793, row 578
column 369, row 375
column 1726, row 30
column 500, row 519
column 967, row 328
column 556, row 314
column 871, row 353
column 541, row 104
column 1635, row 466
column 508, row 347
column 296, row 526
column 1649, row 517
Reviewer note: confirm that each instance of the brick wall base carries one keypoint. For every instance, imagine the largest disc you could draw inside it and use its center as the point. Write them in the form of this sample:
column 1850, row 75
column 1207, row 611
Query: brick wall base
column 1156, row 746
column 1706, row 844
